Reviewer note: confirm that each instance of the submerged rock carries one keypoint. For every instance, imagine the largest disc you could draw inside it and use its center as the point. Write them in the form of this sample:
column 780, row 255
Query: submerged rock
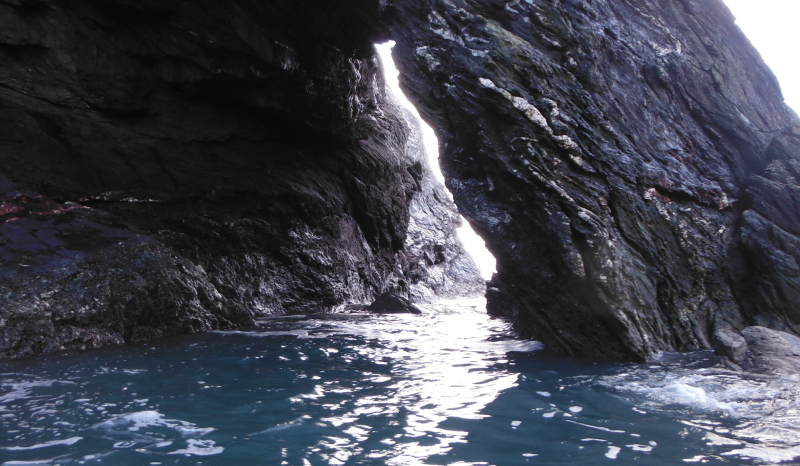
column 390, row 303
column 771, row 351
column 730, row 343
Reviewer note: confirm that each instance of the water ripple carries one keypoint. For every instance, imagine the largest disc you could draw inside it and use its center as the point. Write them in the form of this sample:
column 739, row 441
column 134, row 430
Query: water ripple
column 451, row 386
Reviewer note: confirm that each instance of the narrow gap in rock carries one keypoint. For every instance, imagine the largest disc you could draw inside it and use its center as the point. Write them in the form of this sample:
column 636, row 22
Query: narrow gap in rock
column 473, row 243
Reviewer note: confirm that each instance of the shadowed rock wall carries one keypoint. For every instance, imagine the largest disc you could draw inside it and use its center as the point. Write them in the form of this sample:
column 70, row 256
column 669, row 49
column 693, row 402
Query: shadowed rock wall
column 179, row 166
column 630, row 164
column 173, row 166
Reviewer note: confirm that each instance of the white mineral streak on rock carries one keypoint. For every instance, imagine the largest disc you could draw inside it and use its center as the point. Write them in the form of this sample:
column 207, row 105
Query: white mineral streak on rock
column 472, row 39
column 529, row 110
column 520, row 104
column 440, row 28
column 659, row 202
column 430, row 61
column 487, row 83
column 533, row 114
column 566, row 142
column 662, row 51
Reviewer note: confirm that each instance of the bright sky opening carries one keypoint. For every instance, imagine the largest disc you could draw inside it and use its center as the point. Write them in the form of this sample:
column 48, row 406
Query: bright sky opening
column 772, row 27
column 472, row 242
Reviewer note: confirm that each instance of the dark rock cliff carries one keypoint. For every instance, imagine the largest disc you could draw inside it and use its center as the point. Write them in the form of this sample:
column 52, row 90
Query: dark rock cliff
column 435, row 263
column 176, row 166
column 630, row 164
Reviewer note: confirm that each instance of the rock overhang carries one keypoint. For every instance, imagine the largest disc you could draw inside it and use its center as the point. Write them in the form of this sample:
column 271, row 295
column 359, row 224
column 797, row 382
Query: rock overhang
column 632, row 175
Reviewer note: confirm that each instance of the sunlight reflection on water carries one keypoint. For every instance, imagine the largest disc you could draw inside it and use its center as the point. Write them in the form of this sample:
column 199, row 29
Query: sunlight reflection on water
column 445, row 368
column 451, row 386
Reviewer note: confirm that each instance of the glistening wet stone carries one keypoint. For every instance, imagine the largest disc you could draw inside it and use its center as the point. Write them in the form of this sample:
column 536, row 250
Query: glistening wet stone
column 631, row 165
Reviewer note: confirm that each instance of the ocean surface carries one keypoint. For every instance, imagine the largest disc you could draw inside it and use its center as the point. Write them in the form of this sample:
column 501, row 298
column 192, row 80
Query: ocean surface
column 450, row 387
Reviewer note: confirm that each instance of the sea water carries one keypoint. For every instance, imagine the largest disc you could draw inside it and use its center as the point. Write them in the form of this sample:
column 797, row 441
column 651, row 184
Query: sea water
column 451, row 386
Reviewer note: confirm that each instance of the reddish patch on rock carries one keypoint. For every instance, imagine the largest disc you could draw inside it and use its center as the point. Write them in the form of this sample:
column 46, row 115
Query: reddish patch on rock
column 662, row 194
column 7, row 208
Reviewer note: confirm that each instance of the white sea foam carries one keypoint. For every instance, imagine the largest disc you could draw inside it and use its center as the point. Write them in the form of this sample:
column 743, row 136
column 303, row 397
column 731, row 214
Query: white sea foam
column 286, row 425
column 613, row 452
column 696, row 397
column 287, row 333
column 143, row 419
column 30, row 463
column 604, row 429
column 637, row 447
column 21, row 389
column 199, row 448
column 52, row 443
column 127, row 444
column 766, row 410
column 768, row 454
column 729, row 393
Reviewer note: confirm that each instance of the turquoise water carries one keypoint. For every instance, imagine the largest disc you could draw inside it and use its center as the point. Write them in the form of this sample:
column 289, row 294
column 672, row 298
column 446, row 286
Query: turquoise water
column 451, row 386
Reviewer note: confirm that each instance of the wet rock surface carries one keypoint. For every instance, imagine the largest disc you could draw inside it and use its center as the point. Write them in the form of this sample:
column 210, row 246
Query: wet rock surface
column 218, row 162
column 73, row 279
column 390, row 303
column 771, row 351
column 434, row 261
column 631, row 165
